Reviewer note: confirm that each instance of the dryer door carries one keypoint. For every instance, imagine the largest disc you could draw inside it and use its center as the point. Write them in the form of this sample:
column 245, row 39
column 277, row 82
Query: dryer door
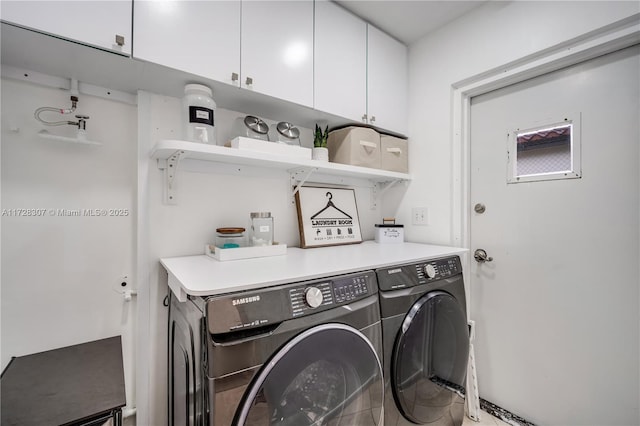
column 327, row 375
column 430, row 359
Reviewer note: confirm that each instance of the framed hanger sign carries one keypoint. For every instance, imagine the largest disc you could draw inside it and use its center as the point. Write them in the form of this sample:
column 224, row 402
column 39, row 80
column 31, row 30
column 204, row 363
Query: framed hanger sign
column 327, row 217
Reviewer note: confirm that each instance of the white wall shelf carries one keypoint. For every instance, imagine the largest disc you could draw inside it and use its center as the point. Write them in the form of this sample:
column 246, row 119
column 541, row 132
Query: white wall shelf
column 169, row 154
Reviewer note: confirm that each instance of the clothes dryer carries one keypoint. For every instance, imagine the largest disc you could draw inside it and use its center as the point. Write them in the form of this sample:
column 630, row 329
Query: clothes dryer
column 426, row 342
column 305, row 353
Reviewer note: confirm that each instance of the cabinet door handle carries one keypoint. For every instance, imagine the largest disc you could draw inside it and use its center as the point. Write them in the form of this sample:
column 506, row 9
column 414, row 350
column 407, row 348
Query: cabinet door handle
column 249, row 81
column 364, row 118
column 119, row 40
column 373, row 119
column 234, row 76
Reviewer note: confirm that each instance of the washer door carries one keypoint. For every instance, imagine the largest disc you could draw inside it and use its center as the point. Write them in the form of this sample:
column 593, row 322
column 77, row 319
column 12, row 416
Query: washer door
column 327, row 375
column 430, row 358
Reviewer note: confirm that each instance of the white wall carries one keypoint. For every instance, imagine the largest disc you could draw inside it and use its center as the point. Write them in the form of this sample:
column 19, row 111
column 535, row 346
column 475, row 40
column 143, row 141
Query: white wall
column 207, row 200
column 59, row 273
column 489, row 36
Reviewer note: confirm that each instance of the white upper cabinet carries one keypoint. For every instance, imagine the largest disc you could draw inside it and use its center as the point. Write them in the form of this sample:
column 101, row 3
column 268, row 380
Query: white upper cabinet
column 387, row 79
column 277, row 49
column 200, row 37
column 105, row 24
column 360, row 73
column 315, row 55
column 340, row 64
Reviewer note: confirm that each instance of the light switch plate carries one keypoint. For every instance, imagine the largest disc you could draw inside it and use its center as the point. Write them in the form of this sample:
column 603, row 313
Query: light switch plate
column 420, row 216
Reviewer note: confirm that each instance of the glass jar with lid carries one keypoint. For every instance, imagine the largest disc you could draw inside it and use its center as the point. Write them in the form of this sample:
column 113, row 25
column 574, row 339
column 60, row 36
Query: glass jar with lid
column 199, row 114
column 230, row 238
column 261, row 231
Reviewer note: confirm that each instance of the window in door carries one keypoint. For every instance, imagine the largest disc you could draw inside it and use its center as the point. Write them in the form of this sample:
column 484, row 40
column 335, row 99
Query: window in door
column 545, row 152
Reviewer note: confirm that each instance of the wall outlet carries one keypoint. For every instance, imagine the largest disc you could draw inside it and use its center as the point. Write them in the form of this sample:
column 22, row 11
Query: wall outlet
column 420, row 216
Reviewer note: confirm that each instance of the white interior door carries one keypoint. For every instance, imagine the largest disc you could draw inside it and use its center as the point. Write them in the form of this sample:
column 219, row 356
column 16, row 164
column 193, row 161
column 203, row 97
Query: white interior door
column 557, row 309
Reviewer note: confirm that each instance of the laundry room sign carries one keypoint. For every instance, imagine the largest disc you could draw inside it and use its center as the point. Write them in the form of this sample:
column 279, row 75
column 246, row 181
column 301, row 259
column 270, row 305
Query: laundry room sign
column 327, row 217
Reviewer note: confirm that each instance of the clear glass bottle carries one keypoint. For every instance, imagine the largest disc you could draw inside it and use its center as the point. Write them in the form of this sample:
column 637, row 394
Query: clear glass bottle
column 198, row 116
column 230, row 238
column 261, row 230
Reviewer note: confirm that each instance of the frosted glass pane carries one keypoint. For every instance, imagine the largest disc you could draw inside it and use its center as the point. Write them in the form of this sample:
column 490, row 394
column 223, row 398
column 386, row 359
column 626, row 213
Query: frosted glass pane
column 544, row 160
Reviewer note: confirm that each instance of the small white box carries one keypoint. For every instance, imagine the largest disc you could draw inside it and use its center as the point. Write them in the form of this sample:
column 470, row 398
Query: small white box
column 257, row 145
column 244, row 252
column 389, row 233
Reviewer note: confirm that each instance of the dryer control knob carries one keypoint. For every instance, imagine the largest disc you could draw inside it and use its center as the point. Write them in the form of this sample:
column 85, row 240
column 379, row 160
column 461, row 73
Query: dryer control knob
column 430, row 270
column 313, row 296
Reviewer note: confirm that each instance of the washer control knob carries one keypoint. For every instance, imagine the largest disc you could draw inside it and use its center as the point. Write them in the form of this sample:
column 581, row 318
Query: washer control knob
column 313, row 296
column 430, row 270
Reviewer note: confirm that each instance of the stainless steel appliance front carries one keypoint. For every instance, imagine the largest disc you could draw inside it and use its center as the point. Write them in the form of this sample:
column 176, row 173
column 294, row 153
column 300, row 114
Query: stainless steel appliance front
column 426, row 342
column 297, row 354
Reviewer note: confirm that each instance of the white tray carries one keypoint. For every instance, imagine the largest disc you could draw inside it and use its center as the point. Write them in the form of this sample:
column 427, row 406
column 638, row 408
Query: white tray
column 248, row 144
column 244, row 252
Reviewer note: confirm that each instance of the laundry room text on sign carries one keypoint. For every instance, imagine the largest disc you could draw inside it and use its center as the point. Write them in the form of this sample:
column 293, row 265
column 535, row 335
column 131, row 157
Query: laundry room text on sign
column 327, row 216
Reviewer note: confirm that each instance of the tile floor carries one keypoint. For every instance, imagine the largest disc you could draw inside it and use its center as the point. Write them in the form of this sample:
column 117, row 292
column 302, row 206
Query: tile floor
column 486, row 419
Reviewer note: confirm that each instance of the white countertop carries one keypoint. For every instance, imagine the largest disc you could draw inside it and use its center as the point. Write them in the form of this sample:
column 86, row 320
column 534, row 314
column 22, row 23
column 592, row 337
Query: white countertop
column 203, row 275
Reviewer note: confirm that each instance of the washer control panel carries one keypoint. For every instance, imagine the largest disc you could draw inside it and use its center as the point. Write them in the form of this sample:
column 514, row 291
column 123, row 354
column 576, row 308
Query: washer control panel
column 430, row 270
column 307, row 298
column 313, row 296
column 316, row 296
column 351, row 288
column 243, row 311
column 438, row 269
column 411, row 275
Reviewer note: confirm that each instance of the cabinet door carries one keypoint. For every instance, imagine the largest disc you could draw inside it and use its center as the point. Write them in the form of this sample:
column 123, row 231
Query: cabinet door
column 386, row 81
column 200, row 37
column 277, row 49
column 96, row 23
column 340, row 63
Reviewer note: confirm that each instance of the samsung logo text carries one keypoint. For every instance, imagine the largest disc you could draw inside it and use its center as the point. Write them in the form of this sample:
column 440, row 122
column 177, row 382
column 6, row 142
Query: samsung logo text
column 245, row 300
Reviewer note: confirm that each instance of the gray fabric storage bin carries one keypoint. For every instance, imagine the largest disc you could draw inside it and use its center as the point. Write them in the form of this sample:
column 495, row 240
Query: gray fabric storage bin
column 394, row 154
column 357, row 146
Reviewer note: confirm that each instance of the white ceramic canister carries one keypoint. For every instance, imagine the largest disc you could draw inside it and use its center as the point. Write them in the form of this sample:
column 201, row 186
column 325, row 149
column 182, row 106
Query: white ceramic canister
column 198, row 118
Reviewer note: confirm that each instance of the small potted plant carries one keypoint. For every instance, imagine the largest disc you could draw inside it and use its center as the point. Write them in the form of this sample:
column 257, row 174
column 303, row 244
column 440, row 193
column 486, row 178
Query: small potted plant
column 320, row 151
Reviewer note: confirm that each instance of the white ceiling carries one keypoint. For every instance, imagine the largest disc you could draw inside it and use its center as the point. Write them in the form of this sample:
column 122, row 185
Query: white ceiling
column 409, row 21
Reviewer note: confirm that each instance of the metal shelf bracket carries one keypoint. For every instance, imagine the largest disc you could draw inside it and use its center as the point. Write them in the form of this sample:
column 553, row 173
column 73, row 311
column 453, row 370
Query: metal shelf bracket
column 385, row 186
column 299, row 177
column 298, row 181
column 170, row 176
column 379, row 188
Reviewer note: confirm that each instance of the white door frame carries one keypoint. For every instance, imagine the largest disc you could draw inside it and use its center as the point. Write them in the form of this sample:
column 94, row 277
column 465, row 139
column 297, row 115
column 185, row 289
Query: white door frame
column 616, row 36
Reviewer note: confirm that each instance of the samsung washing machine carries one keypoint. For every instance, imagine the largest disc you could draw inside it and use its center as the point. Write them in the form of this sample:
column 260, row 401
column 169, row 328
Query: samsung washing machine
column 306, row 353
column 426, row 342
